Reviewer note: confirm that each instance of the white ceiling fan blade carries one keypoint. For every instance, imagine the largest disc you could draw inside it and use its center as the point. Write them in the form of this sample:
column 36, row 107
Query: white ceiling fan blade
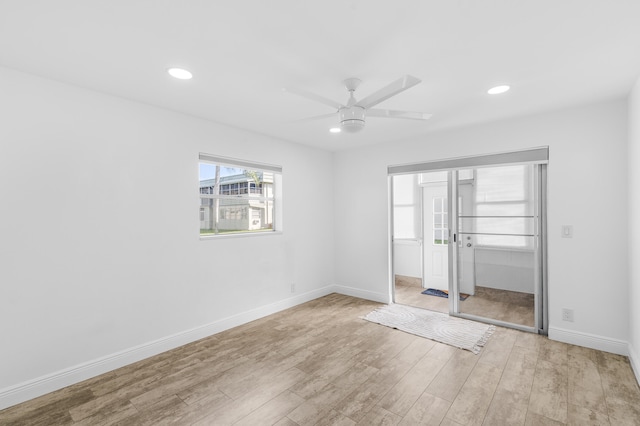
column 388, row 91
column 315, row 118
column 314, row 97
column 398, row 114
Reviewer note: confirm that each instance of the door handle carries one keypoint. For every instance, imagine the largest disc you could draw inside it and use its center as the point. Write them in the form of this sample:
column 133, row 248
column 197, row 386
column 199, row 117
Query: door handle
column 468, row 244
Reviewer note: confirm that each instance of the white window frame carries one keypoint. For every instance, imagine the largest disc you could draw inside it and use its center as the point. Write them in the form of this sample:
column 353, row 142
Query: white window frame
column 273, row 197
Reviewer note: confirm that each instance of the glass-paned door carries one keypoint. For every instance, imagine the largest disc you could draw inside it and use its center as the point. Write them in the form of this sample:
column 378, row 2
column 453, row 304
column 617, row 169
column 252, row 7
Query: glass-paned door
column 496, row 252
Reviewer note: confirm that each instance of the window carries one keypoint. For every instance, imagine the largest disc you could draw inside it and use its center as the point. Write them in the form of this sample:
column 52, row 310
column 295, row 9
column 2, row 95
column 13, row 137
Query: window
column 406, row 208
column 238, row 197
column 440, row 222
column 504, row 206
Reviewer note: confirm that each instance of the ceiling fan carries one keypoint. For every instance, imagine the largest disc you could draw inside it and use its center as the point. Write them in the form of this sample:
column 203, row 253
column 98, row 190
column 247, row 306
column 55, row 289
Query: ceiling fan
column 352, row 114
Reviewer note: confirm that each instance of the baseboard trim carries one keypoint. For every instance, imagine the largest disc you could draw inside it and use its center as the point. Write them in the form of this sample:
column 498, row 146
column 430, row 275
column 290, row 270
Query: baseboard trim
column 362, row 294
column 42, row 385
column 587, row 340
column 635, row 363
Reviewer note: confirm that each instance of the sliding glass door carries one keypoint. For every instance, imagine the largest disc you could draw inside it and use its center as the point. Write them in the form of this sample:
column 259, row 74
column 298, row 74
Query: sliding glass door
column 489, row 219
column 496, row 255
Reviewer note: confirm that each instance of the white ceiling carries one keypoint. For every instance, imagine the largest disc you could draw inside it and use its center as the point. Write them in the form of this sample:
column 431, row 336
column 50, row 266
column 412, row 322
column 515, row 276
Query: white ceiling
column 554, row 54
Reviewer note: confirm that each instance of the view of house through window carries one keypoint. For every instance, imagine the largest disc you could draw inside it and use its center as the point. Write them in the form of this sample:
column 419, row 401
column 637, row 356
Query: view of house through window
column 236, row 196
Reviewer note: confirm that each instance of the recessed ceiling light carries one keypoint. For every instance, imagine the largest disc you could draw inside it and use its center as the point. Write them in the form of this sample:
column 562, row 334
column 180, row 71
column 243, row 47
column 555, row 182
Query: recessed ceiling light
column 180, row 73
column 497, row 90
column 335, row 130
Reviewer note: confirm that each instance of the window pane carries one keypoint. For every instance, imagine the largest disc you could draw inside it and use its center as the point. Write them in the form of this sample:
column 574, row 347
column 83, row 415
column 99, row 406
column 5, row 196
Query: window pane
column 403, row 222
column 437, row 205
column 502, row 183
column 437, row 236
column 437, row 220
column 432, row 177
column 465, row 174
column 404, row 189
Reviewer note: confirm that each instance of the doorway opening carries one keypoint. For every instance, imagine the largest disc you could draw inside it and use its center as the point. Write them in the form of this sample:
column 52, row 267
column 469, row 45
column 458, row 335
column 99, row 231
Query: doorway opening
column 471, row 241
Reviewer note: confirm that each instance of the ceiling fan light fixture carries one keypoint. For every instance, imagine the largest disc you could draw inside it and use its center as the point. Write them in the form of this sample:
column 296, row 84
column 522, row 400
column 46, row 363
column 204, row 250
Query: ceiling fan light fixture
column 498, row 89
column 334, row 130
column 352, row 118
column 352, row 126
column 180, row 73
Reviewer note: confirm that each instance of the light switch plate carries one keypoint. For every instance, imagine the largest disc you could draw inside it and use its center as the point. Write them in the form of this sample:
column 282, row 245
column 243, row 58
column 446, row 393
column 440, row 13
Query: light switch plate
column 567, row 231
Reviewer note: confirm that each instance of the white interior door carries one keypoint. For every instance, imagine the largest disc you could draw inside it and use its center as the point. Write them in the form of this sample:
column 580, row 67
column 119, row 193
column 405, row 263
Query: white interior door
column 436, row 236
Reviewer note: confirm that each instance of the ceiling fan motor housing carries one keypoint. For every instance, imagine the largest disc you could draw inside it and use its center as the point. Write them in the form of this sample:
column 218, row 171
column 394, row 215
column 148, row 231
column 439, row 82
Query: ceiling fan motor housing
column 352, row 118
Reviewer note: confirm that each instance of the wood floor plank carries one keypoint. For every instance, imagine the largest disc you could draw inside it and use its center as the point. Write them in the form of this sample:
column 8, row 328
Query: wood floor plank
column 274, row 410
column 162, row 412
column 203, row 407
column 415, row 351
column 379, row 416
column 405, row 393
column 242, row 407
column 109, row 413
column 473, row 399
column 427, row 410
column 333, row 418
column 453, row 375
column 549, row 394
column 364, row 397
column 318, row 406
column 354, row 376
column 511, row 399
column 585, row 384
column 262, row 375
column 623, row 412
column 617, row 377
column 534, row 419
column 584, row 416
column 499, row 347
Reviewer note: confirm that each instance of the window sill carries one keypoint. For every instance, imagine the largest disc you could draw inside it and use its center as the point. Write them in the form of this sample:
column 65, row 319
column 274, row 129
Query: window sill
column 239, row 235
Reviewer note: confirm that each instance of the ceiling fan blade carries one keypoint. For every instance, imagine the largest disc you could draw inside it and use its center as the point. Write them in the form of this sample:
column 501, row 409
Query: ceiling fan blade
column 315, row 118
column 314, row 97
column 398, row 114
column 388, row 91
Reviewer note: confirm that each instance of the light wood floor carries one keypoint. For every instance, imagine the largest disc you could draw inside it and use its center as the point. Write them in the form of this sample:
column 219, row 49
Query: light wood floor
column 319, row 363
column 507, row 306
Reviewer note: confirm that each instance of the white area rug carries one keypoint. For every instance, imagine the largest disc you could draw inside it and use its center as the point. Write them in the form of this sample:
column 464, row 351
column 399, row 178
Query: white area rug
column 458, row 332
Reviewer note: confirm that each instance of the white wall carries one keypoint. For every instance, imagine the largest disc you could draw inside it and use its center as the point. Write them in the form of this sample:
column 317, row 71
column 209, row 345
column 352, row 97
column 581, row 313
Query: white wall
column 587, row 189
column 407, row 258
column 505, row 268
column 634, row 228
column 89, row 280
